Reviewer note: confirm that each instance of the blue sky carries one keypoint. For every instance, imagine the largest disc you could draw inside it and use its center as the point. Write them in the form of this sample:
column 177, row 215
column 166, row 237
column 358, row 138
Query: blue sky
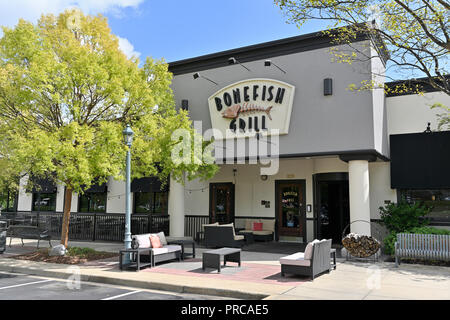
column 176, row 29
column 173, row 29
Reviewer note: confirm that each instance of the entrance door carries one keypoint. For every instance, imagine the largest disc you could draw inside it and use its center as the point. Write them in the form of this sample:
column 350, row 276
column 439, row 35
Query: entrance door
column 221, row 204
column 332, row 205
column 290, row 208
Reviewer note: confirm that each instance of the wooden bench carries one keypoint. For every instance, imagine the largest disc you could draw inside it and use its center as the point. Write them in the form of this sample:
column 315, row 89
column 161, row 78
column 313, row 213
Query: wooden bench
column 422, row 246
column 28, row 232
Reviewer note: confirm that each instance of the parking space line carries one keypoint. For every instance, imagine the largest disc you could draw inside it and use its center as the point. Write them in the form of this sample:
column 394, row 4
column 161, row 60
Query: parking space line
column 122, row 295
column 25, row 284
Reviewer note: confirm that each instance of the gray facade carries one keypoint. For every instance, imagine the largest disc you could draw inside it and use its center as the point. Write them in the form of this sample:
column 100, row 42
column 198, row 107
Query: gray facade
column 344, row 122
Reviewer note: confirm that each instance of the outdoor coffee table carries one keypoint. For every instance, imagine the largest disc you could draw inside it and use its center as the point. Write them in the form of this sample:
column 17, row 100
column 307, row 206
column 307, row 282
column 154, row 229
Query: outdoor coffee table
column 182, row 241
column 212, row 259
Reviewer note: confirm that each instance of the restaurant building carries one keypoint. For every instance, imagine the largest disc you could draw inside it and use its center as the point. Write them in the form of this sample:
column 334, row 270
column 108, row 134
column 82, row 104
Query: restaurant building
column 294, row 144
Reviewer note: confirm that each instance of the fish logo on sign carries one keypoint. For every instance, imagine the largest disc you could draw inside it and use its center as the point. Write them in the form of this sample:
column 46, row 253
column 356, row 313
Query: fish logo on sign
column 237, row 110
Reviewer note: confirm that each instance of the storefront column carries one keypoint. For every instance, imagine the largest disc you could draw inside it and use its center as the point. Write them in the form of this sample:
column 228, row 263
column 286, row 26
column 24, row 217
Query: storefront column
column 176, row 208
column 358, row 174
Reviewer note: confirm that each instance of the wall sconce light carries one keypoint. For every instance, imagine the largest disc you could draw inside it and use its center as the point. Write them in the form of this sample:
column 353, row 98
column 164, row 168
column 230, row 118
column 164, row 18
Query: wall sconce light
column 185, row 105
column 197, row 75
column 268, row 63
column 264, row 177
column 233, row 60
column 327, row 87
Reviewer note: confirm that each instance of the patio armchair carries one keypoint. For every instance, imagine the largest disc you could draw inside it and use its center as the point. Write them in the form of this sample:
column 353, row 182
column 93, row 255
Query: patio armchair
column 222, row 236
column 314, row 261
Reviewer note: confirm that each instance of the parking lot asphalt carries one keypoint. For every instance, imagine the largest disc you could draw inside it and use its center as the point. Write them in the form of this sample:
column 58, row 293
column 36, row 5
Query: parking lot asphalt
column 24, row 287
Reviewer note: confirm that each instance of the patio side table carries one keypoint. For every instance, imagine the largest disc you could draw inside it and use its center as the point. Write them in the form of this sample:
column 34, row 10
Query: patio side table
column 333, row 256
column 135, row 259
column 183, row 241
column 248, row 236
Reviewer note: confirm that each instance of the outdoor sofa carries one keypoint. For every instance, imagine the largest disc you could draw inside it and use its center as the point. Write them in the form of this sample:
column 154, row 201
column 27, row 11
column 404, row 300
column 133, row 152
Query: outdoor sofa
column 166, row 253
column 267, row 232
column 314, row 261
column 222, row 236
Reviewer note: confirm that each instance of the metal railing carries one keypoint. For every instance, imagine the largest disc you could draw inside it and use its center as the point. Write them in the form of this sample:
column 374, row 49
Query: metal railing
column 90, row 226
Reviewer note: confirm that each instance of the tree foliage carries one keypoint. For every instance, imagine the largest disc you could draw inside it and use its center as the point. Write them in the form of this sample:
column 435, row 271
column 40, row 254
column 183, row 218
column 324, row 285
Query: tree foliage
column 416, row 33
column 66, row 93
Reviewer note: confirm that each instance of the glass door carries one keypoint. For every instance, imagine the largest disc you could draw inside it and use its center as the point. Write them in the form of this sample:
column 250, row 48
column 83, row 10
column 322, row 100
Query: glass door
column 291, row 203
column 221, row 202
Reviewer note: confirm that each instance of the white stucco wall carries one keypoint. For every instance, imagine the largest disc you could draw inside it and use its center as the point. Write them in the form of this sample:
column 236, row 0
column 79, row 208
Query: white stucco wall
column 411, row 113
column 116, row 196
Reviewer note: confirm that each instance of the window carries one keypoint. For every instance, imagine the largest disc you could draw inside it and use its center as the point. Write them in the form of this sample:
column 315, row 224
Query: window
column 45, row 202
column 438, row 200
column 150, row 202
column 8, row 201
column 92, row 202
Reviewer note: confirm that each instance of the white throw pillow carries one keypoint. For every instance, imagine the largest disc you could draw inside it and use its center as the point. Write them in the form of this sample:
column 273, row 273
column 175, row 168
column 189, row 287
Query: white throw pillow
column 162, row 238
column 309, row 249
column 143, row 240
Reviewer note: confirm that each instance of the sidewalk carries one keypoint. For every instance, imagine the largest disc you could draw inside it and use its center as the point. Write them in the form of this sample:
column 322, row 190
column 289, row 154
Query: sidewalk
column 258, row 278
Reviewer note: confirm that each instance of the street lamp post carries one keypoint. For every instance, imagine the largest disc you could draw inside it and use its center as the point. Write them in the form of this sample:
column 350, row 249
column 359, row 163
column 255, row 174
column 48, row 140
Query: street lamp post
column 128, row 139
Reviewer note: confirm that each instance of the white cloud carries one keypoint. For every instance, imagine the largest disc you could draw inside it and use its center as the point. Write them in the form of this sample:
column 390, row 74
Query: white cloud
column 127, row 48
column 31, row 10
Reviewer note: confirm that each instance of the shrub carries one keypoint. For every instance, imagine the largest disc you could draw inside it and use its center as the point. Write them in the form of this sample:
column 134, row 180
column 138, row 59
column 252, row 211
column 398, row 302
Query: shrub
column 389, row 241
column 403, row 216
column 80, row 252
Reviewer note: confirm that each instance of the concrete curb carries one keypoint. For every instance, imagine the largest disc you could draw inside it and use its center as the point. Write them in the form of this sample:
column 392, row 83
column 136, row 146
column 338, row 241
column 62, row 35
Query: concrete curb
column 227, row 293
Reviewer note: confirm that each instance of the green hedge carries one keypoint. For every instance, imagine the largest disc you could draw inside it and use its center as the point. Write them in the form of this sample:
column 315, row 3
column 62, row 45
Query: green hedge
column 389, row 241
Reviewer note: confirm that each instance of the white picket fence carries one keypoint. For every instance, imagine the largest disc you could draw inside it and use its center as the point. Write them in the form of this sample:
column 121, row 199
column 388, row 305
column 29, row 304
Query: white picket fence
column 423, row 246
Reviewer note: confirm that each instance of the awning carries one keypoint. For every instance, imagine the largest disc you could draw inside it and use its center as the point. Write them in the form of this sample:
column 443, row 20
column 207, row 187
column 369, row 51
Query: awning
column 97, row 188
column 420, row 160
column 148, row 184
column 43, row 185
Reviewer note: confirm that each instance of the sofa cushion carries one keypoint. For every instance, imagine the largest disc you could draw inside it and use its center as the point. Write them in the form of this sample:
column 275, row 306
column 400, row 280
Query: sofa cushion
column 156, row 242
column 269, row 225
column 257, row 226
column 296, row 259
column 309, row 249
column 143, row 240
column 173, row 247
column 162, row 250
column 262, row 233
column 166, row 249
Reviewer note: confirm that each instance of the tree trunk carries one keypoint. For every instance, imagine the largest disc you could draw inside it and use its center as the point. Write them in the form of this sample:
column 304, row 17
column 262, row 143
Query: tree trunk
column 66, row 217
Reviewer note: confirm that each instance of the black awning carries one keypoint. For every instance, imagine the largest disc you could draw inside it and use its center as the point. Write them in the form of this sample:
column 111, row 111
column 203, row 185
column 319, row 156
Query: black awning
column 420, row 160
column 150, row 184
column 97, row 188
column 43, row 185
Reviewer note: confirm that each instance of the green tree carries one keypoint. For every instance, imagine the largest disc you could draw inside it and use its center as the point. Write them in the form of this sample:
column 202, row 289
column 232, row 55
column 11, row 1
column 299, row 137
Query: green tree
column 415, row 33
column 66, row 93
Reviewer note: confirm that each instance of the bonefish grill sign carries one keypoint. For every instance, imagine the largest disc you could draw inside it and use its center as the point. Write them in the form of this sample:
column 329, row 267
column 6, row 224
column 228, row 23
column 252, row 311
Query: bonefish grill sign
column 250, row 106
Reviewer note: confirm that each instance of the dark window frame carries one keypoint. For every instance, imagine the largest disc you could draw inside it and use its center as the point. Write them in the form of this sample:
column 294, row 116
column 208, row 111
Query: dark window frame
column 37, row 196
column 90, row 202
column 165, row 209
column 8, row 207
